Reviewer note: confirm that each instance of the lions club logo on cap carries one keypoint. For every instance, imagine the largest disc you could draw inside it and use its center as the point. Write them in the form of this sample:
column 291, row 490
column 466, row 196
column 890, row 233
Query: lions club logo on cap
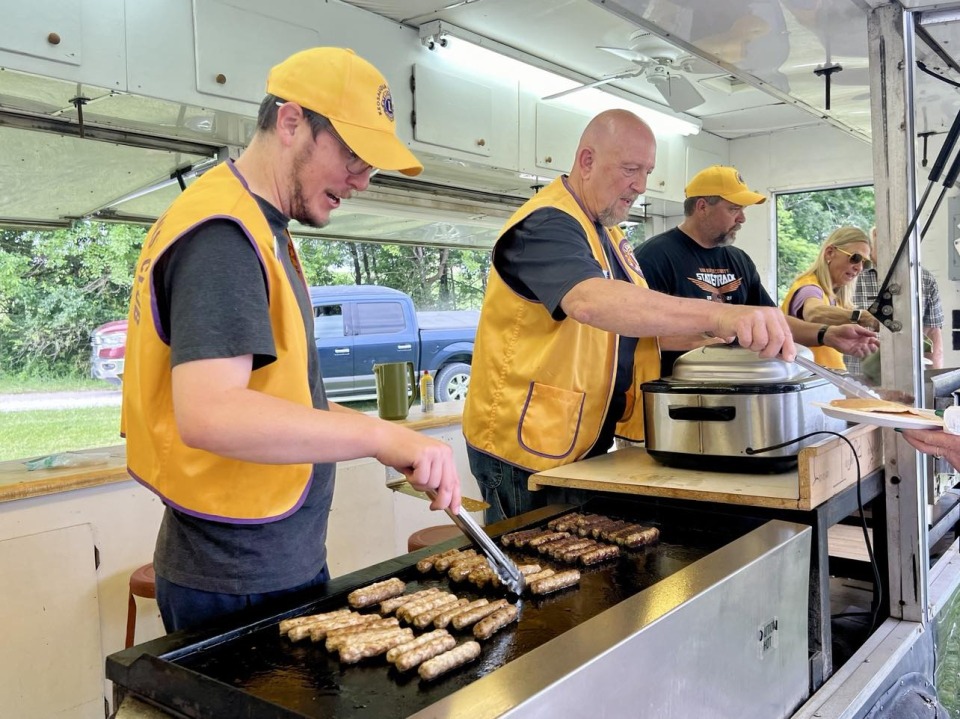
column 385, row 101
column 740, row 179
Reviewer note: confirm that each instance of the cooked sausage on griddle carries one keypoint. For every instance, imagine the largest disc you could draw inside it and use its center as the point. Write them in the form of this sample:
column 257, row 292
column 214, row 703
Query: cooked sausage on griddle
column 444, row 600
column 443, row 620
column 375, row 593
column 461, row 570
column 623, row 532
column 574, row 553
column 426, row 564
column 531, row 578
column 318, row 632
column 481, row 576
column 600, row 530
column 444, row 563
column 565, row 523
column 526, row 569
column 389, row 606
column 599, row 554
column 490, row 625
column 560, row 580
column 355, row 651
column 408, row 611
column 414, row 643
column 458, row 656
column 335, row 636
column 519, row 539
column 547, row 537
column 287, row 624
column 415, row 657
column 647, row 535
column 472, row 616
column 336, row 641
column 425, row 619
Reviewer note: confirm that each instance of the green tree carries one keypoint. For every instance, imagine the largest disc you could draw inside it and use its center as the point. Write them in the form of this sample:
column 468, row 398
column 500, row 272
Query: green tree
column 806, row 219
column 55, row 287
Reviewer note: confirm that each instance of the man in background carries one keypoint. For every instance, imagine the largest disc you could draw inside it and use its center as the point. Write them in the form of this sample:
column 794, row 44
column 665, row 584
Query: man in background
column 697, row 259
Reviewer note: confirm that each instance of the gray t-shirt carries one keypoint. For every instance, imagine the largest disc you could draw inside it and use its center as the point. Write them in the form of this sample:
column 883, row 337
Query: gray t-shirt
column 212, row 301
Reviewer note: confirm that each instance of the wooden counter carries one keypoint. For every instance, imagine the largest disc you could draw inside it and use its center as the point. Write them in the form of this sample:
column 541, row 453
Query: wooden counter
column 17, row 482
column 823, row 469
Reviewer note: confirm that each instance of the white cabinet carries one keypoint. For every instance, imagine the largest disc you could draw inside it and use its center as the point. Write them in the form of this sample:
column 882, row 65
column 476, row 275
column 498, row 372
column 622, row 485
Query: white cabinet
column 236, row 48
column 452, row 112
column 51, row 665
column 76, row 40
column 557, row 132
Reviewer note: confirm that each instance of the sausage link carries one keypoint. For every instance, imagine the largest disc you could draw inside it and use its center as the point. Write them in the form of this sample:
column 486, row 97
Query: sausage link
column 287, row 624
column 365, row 596
column 558, row 581
column 444, row 619
column 426, row 564
column 337, row 637
column 458, row 656
column 408, row 660
column 490, row 625
column 531, row 578
column 426, row 618
column 389, row 606
column 444, row 563
column 408, row 611
column 318, row 632
column 648, row 535
column 465, row 619
column 414, row 643
column 355, row 651
column 599, row 554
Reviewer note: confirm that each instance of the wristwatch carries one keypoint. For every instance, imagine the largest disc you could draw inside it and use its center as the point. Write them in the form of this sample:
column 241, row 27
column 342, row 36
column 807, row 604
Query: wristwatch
column 821, row 334
column 855, row 316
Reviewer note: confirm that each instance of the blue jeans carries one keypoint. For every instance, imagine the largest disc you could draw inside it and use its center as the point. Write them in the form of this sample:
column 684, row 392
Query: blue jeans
column 185, row 608
column 504, row 488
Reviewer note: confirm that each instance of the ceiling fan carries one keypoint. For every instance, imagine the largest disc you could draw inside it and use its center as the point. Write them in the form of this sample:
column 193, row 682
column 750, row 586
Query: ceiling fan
column 663, row 67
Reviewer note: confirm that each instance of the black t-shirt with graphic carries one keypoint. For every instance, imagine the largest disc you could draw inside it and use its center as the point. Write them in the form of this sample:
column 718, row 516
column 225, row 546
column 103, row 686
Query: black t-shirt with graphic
column 673, row 263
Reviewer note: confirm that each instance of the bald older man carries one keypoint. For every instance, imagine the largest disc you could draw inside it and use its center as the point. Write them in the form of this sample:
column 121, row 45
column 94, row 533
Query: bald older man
column 568, row 326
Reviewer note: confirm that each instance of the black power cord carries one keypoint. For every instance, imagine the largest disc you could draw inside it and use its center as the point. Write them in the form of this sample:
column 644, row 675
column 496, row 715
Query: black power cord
column 875, row 601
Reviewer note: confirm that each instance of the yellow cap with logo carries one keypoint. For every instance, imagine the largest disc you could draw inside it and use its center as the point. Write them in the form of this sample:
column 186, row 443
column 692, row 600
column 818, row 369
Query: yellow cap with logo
column 346, row 89
column 725, row 182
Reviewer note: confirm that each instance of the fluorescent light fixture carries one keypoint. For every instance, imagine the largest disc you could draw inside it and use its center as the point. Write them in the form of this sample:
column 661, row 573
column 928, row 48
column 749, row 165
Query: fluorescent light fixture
column 470, row 51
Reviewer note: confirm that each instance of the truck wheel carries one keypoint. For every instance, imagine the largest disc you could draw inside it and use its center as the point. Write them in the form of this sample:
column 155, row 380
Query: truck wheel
column 452, row 382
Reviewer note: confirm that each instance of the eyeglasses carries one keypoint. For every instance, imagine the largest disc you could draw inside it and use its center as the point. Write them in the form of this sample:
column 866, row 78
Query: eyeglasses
column 856, row 258
column 355, row 164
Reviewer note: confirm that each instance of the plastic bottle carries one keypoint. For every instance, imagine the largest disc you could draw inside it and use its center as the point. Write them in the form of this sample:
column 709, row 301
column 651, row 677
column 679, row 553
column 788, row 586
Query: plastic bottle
column 426, row 392
column 67, row 459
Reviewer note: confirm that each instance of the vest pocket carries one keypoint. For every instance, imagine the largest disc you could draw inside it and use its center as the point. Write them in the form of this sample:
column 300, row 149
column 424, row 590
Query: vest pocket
column 550, row 420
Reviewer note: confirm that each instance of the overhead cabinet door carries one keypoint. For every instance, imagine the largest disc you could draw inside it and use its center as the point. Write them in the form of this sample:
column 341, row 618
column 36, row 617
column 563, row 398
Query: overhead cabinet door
column 453, row 111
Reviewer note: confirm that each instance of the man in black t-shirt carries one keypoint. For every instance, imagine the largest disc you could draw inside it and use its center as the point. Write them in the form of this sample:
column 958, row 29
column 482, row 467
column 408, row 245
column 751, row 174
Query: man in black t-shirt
column 697, row 260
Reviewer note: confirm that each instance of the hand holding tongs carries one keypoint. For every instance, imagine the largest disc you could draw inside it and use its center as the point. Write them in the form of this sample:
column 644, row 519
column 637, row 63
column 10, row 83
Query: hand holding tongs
column 505, row 568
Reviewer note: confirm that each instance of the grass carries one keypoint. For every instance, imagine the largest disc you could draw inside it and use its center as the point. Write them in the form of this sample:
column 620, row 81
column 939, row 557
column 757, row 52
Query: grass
column 41, row 432
column 14, row 384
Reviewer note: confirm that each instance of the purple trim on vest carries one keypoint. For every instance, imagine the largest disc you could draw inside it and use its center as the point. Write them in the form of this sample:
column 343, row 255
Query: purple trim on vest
column 153, row 293
column 576, row 434
column 236, row 173
column 217, row 518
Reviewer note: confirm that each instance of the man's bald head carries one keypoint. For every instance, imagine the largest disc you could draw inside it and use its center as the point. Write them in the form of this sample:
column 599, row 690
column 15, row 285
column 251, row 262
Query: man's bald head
column 616, row 153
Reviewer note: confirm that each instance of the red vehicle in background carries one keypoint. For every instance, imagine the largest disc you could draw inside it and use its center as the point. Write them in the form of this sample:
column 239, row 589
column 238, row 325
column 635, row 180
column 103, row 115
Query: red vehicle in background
column 107, row 345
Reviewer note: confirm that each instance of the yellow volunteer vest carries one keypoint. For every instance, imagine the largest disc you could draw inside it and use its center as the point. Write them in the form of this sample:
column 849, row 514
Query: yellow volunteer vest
column 540, row 389
column 824, row 356
column 194, row 481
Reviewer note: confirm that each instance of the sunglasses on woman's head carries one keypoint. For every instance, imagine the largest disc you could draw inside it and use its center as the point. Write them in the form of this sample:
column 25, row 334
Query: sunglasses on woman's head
column 855, row 258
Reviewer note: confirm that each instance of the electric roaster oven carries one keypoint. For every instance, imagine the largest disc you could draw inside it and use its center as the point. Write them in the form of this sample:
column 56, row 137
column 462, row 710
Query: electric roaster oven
column 722, row 400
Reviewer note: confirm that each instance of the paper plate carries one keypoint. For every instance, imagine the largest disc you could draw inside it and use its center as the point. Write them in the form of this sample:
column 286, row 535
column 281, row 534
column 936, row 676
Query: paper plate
column 897, row 420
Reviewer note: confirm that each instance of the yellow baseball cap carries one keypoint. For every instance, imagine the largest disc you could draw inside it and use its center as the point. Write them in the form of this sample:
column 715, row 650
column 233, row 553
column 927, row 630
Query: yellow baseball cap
column 723, row 182
column 353, row 95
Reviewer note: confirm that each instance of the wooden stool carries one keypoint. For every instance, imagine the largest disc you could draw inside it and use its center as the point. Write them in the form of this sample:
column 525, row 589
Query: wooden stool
column 143, row 583
column 432, row 535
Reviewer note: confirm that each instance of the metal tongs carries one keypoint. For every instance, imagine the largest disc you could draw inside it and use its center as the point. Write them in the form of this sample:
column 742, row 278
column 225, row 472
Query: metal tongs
column 847, row 385
column 505, row 568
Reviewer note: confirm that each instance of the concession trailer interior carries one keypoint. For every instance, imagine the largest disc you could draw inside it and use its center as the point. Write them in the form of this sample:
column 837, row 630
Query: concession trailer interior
column 108, row 107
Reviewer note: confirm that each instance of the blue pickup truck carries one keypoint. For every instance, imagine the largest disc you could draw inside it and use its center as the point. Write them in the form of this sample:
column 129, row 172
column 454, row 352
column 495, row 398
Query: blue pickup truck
column 356, row 326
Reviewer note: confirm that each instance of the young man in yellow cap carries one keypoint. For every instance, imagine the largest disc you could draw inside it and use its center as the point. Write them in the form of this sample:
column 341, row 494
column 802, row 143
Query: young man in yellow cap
column 567, row 330
column 224, row 408
column 697, row 260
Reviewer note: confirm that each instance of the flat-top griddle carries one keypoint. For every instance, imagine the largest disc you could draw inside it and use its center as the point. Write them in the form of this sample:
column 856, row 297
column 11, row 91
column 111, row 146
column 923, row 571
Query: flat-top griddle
column 252, row 671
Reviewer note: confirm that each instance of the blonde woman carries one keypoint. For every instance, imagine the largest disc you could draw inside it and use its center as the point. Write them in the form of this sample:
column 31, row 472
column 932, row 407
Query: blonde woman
column 824, row 293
